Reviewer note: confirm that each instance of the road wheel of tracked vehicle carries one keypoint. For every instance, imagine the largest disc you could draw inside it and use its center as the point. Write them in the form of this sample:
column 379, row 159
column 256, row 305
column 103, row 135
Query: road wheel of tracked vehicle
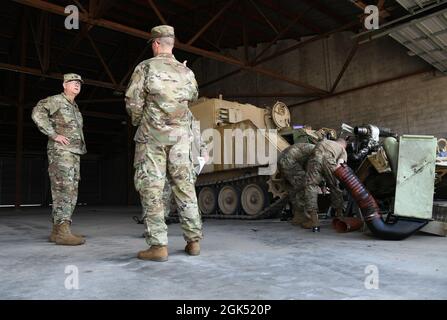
column 228, row 200
column 253, row 199
column 207, row 200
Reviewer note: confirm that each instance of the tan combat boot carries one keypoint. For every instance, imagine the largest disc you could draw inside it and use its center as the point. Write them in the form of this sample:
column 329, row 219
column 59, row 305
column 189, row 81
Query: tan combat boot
column 65, row 237
column 305, row 221
column 52, row 237
column 154, row 253
column 193, row 248
column 307, row 224
column 315, row 221
column 311, row 220
column 298, row 218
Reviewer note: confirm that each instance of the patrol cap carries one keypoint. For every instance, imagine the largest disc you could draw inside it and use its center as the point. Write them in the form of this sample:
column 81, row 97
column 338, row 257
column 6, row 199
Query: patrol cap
column 163, row 31
column 72, row 77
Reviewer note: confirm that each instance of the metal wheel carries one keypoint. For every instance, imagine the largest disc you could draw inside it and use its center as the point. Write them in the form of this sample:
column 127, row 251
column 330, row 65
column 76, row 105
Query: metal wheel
column 253, row 199
column 228, row 200
column 207, row 200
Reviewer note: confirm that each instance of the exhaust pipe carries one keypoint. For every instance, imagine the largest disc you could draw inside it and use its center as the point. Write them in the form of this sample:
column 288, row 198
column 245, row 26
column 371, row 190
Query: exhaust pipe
column 400, row 230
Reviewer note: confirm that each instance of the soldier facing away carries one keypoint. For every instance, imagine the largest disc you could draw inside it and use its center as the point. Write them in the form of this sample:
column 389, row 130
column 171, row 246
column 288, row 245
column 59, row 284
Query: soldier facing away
column 59, row 118
column 321, row 166
column 157, row 100
column 292, row 164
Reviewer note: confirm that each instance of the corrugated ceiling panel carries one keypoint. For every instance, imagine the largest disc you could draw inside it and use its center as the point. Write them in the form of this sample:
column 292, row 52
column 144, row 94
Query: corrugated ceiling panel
column 412, row 5
column 426, row 38
column 443, row 38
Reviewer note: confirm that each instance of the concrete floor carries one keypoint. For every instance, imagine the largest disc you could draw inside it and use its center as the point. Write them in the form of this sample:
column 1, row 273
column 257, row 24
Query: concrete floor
column 266, row 259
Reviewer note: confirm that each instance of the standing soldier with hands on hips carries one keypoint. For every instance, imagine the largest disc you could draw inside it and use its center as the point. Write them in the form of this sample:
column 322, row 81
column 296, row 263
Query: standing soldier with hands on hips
column 59, row 118
column 157, row 99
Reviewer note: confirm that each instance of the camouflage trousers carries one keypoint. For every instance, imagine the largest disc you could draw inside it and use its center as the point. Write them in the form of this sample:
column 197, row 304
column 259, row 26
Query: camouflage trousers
column 156, row 166
column 317, row 173
column 168, row 198
column 64, row 172
column 295, row 183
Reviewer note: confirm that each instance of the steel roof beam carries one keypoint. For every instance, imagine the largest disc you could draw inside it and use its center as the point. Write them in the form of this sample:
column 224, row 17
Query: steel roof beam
column 182, row 46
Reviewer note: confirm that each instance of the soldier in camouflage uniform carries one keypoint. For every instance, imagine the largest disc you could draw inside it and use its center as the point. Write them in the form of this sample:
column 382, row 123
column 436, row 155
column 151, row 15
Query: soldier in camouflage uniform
column 59, row 118
column 321, row 165
column 292, row 164
column 157, row 100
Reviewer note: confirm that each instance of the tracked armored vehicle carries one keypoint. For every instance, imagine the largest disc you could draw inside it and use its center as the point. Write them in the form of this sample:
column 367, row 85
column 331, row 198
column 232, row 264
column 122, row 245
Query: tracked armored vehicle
column 244, row 141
